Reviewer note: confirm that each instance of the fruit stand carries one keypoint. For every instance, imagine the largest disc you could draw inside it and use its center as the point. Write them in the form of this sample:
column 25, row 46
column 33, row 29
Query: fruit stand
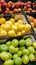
column 17, row 32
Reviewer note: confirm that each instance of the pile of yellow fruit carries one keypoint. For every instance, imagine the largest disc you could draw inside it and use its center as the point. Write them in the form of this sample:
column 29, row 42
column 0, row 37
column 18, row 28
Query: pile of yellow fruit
column 13, row 27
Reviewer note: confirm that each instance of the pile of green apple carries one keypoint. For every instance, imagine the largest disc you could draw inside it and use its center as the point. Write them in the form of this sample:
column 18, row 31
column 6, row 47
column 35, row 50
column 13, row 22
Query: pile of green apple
column 16, row 52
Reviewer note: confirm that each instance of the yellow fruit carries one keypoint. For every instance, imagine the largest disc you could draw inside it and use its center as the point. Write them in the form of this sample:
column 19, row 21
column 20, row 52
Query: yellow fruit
column 6, row 27
column 27, row 27
column 2, row 20
column 16, row 24
column 19, row 33
column 21, row 27
column 23, row 31
column 12, row 20
column 14, row 28
column 8, row 22
column 20, row 21
column 2, row 26
column 1, row 29
column 11, row 33
column 3, row 33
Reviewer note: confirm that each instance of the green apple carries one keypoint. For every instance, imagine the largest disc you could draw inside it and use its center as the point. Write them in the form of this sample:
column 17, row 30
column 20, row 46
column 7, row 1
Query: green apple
column 12, row 49
column 25, row 59
column 20, row 53
column 35, row 55
column 18, row 61
column 9, row 62
column 31, row 57
column 28, row 42
column 15, row 42
column 34, row 45
column 5, row 56
column 16, row 50
column 25, row 52
column 4, row 47
column 22, row 48
column 22, row 42
column 0, row 48
column 8, row 43
column 15, row 56
column 31, row 49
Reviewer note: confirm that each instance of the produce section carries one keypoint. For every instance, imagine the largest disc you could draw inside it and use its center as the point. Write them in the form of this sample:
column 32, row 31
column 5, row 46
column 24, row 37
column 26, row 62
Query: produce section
column 17, row 32
column 18, row 51
column 14, row 26
column 11, row 7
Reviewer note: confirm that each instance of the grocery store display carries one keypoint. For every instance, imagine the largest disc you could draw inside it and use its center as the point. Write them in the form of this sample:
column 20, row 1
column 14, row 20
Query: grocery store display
column 18, row 51
column 32, row 21
column 11, row 7
column 13, row 27
column 17, row 33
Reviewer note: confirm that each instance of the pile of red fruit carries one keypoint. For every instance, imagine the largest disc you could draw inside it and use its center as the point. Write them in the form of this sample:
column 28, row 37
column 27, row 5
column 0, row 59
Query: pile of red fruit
column 10, row 7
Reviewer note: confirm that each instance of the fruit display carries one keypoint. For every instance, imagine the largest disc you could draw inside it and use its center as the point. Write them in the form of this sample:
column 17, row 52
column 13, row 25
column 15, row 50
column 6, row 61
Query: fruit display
column 11, row 7
column 14, row 26
column 18, row 52
column 32, row 21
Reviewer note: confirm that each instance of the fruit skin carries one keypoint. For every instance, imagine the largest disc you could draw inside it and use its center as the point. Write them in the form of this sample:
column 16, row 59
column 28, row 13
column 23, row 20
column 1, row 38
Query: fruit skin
column 18, row 61
column 9, row 62
column 27, row 27
column 11, row 33
column 20, row 53
column 28, row 42
column 2, row 20
column 5, row 56
column 31, row 57
column 11, row 49
column 12, row 20
column 16, row 50
column 22, row 48
column 25, row 59
column 15, row 28
column 3, row 33
column 15, row 56
column 6, row 27
column 3, row 48
column 15, row 42
column 25, row 52
column 8, row 43
column 31, row 49
column 34, row 45
column 22, row 42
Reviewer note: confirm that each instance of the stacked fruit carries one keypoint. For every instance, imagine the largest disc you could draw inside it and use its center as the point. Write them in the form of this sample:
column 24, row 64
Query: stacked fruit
column 13, row 27
column 30, row 7
column 10, row 7
column 33, row 22
column 18, row 51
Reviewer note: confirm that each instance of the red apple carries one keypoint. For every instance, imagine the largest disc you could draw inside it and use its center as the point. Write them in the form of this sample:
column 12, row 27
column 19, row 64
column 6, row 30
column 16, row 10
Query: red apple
column 33, row 10
column 10, row 4
column 11, row 12
column 22, row 4
column 7, row 11
column 29, row 2
column 0, row 10
column 25, row 8
column 29, row 9
column 17, row 4
column 28, row 6
column 13, row 6
column 19, row 9
column 15, row 10
column 25, row 4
